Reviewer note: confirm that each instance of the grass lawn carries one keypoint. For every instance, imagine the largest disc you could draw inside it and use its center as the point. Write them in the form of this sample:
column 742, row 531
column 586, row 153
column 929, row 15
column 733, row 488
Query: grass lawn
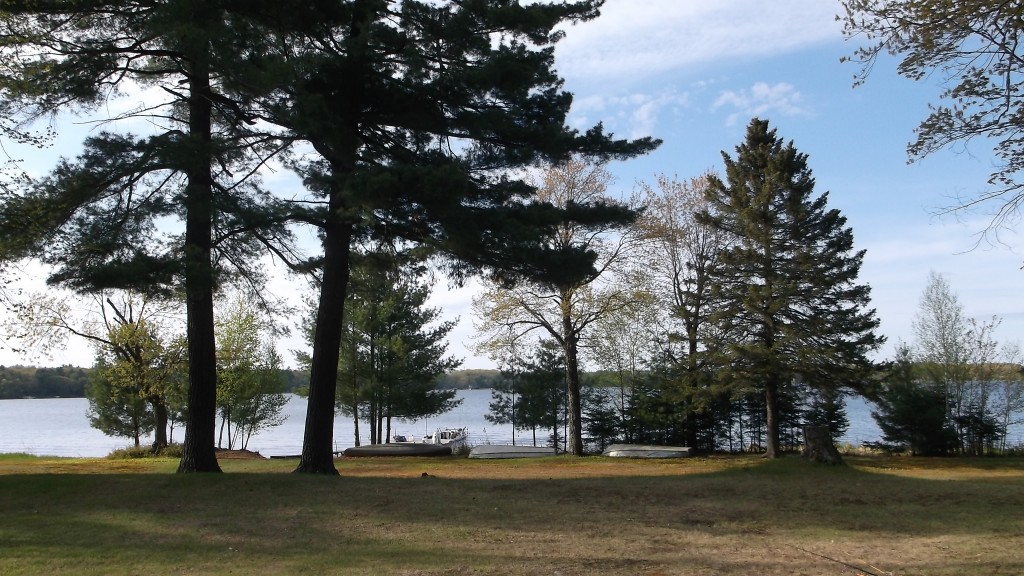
column 562, row 515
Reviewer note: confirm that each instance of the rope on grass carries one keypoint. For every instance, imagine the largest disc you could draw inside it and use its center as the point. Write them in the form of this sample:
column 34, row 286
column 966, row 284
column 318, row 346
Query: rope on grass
column 861, row 570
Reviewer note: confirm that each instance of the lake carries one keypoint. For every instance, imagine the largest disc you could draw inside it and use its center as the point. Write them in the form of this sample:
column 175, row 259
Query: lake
column 59, row 427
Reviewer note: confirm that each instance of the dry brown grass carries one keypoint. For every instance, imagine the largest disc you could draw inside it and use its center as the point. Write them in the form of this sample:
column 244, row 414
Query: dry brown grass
column 728, row 515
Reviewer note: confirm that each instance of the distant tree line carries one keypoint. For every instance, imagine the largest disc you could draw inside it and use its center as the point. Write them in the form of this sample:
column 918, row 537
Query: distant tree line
column 29, row 382
column 71, row 381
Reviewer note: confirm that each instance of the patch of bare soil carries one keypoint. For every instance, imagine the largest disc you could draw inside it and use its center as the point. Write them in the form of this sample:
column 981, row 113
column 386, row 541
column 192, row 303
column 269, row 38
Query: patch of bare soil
column 223, row 454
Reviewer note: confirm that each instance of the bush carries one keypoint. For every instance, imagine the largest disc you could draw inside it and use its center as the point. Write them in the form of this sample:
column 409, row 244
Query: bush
column 134, row 452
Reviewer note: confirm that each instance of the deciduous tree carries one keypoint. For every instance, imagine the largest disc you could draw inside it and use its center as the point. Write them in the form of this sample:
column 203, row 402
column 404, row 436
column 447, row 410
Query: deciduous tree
column 678, row 254
column 138, row 355
column 974, row 48
column 564, row 311
column 250, row 383
column 956, row 354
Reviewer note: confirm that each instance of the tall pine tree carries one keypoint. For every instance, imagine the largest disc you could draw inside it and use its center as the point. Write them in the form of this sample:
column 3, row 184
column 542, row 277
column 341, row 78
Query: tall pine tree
column 420, row 113
column 788, row 286
column 95, row 219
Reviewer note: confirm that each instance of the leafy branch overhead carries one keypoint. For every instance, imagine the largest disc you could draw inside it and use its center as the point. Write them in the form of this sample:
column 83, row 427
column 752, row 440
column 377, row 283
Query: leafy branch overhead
column 974, row 49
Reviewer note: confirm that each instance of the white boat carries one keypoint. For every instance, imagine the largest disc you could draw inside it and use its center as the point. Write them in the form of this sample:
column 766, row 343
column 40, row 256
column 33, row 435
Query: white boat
column 494, row 451
column 453, row 437
column 646, row 451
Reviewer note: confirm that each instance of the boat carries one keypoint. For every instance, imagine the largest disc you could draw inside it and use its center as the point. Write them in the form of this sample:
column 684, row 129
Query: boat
column 453, row 437
column 399, row 449
column 646, row 451
column 495, row 451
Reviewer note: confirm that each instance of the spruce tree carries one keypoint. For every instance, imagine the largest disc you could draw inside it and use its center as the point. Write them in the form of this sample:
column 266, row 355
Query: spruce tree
column 398, row 348
column 788, row 285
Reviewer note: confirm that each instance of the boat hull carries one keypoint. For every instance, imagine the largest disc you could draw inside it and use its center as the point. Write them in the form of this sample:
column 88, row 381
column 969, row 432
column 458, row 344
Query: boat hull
column 646, row 451
column 400, row 449
column 498, row 451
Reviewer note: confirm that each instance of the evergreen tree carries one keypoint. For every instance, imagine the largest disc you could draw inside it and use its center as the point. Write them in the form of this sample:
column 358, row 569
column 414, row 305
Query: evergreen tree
column 95, row 219
column 788, row 287
column 392, row 353
column 532, row 395
column 827, row 408
column 911, row 413
column 398, row 348
column 419, row 112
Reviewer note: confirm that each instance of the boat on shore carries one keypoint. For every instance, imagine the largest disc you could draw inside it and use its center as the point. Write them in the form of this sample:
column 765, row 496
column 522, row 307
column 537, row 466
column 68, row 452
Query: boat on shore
column 646, row 451
column 454, row 438
column 497, row 451
column 399, row 449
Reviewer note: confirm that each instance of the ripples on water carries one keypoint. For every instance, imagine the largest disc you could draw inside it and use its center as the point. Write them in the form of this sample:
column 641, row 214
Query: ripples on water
column 59, row 427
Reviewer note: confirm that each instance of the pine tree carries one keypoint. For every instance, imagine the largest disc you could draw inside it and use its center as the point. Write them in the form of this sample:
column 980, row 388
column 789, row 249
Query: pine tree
column 419, row 113
column 788, row 285
column 398, row 346
column 95, row 219
column 531, row 394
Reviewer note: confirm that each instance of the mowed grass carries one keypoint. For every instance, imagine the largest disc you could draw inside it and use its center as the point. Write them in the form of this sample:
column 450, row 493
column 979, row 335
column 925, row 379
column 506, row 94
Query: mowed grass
column 564, row 515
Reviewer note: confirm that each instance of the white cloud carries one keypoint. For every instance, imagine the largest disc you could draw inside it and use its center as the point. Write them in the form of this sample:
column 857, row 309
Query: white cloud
column 636, row 39
column 762, row 98
column 633, row 115
column 985, row 279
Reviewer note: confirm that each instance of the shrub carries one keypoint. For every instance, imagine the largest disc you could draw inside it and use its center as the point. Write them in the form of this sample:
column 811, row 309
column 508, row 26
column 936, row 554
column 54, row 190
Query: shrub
column 133, row 452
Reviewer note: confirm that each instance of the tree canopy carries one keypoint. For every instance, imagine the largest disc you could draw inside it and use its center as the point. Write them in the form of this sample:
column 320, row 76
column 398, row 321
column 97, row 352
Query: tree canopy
column 420, row 114
column 974, row 48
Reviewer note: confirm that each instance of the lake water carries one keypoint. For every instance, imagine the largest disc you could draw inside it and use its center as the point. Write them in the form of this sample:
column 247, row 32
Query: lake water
column 59, row 427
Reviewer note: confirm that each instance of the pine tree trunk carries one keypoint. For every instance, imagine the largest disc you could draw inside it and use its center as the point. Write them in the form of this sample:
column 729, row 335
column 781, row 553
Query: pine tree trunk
column 818, row 446
column 355, row 424
column 198, row 453
column 771, row 401
column 317, row 443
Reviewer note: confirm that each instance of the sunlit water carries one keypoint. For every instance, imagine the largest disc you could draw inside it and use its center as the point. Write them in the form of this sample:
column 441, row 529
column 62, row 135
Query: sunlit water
column 59, row 427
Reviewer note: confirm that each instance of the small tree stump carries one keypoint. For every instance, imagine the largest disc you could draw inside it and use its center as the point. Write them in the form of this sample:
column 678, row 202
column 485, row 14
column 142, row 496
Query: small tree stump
column 818, row 446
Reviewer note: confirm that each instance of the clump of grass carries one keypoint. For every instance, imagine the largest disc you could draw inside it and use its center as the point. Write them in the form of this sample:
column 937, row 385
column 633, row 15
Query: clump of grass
column 850, row 449
column 136, row 452
column 17, row 456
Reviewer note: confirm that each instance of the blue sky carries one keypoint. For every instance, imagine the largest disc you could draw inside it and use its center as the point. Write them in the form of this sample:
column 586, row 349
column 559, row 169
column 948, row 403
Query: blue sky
column 694, row 73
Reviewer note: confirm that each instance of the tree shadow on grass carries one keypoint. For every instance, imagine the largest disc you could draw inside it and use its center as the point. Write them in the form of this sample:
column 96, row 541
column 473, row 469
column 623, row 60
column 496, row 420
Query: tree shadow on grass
column 778, row 517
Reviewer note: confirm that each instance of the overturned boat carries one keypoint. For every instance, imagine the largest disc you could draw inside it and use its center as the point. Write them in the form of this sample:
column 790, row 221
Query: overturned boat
column 646, row 451
column 399, row 449
column 496, row 451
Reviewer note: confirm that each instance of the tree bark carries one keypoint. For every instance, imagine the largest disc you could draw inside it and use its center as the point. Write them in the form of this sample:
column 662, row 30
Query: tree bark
column 198, row 454
column 160, row 430
column 317, row 450
column 818, row 446
column 771, row 401
column 572, row 378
